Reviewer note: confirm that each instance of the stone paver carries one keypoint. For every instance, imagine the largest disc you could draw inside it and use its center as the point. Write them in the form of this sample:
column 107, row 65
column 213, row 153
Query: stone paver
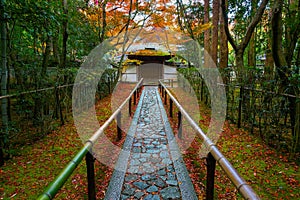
column 150, row 158
column 151, row 173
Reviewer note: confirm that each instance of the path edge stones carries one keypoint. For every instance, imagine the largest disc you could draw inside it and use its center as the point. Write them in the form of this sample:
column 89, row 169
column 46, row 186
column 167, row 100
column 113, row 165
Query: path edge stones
column 116, row 183
column 185, row 184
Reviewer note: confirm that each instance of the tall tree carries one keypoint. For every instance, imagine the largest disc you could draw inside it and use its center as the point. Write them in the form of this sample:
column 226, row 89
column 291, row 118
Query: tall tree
column 64, row 33
column 283, row 59
column 292, row 29
column 223, row 45
column 103, row 29
column 283, row 51
column 269, row 63
column 215, row 30
column 277, row 34
column 206, row 32
column 251, row 51
column 4, row 78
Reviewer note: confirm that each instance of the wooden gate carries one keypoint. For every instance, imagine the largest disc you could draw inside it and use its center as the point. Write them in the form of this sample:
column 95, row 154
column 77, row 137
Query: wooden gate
column 151, row 72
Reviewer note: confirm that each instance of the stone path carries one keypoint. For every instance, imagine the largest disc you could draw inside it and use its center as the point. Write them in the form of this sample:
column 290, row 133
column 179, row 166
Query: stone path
column 154, row 168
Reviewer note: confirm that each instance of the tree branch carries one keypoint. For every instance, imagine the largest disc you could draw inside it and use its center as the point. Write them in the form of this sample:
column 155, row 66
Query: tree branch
column 253, row 24
column 225, row 16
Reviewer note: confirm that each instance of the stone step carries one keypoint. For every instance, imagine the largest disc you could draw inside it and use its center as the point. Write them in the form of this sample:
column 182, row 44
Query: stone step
column 153, row 167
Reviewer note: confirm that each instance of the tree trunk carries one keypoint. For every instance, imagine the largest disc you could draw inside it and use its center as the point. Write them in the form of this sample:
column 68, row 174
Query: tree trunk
column 292, row 35
column 269, row 66
column 206, row 33
column 251, row 52
column 64, row 34
column 239, row 62
column 252, row 42
column 269, row 63
column 215, row 29
column 223, row 48
column 120, row 68
column 55, row 46
column 179, row 15
column 277, row 51
column 9, row 63
column 46, row 58
column 298, row 57
column 4, row 78
column 102, row 35
column 250, row 80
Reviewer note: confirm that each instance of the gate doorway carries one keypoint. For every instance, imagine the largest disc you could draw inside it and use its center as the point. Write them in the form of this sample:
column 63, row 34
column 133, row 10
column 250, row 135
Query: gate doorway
column 151, row 72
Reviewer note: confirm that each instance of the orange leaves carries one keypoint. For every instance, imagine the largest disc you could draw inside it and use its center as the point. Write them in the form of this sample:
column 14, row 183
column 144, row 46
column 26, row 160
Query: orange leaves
column 157, row 20
column 154, row 13
column 200, row 28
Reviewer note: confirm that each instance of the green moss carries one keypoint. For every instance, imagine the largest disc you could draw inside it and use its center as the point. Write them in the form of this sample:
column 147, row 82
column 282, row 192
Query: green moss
column 147, row 52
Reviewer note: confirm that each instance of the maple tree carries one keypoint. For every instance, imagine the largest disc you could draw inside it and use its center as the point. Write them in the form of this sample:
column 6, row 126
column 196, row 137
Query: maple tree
column 111, row 18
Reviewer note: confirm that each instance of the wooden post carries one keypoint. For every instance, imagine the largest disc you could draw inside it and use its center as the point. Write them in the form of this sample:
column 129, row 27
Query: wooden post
column 134, row 98
column 119, row 130
column 165, row 97
column 130, row 100
column 171, row 108
column 90, row 160
column 210, row 176
column 179, row 128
